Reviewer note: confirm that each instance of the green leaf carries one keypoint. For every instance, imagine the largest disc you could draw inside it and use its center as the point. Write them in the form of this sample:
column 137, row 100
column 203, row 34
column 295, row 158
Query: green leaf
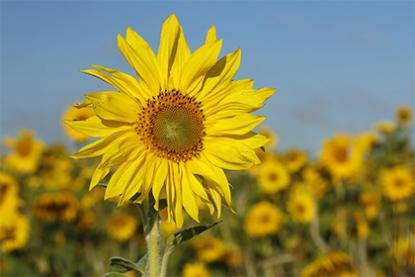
column 120, row 264
column 141, row 264
column 189, row 233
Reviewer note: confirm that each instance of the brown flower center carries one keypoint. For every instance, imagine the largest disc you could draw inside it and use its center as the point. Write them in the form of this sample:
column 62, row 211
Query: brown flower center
column 171, row 125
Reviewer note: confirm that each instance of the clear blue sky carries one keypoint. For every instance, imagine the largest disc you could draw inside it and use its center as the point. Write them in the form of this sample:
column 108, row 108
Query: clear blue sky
column 337, row 66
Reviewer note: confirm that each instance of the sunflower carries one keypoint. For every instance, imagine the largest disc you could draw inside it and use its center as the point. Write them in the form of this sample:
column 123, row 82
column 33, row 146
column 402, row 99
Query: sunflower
column 196, row 269
column 56, row 206
column 9, row 199
column 272, row 177
column 263, row 219
column 404, row 115
column 171, row 131
column 385, row 127
column 294, row 160
column 397, row 182
column 371, row 202
column 209, row 249
column 341, row 156
column 273, row 138
column 14, row 234
column 331, row 264
column 26, row 151
column 314, row 180
column 121, row 226
column 301, row 205
column 403, row 250
column 76, row 114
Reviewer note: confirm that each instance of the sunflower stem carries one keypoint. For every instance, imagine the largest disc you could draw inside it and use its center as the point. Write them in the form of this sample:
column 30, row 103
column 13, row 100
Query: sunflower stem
column 152, row 238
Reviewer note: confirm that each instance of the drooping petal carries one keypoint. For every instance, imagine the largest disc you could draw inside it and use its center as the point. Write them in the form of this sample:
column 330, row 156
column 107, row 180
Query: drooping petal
column 189, row 201
column 159, row 182
column 114, row 106
column 96, row 127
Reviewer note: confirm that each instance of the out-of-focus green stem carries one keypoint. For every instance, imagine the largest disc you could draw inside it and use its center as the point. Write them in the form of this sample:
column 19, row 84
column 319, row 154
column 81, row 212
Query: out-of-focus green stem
column 315, row 234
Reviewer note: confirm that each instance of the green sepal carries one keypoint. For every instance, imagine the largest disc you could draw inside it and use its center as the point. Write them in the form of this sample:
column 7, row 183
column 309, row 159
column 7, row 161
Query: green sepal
column 120, row 264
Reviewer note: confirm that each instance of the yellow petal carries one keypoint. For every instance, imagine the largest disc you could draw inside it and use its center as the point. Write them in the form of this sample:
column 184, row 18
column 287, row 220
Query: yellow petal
column 170, row 33
column 198, row 64
column 189, row 201
column 96, row 127
column 211, row 36
column 114, row 106
column 236, row 125
column 159, row 182
column 140, row 56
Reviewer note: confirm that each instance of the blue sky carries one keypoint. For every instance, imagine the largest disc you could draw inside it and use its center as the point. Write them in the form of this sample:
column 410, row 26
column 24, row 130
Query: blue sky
column 338, row 67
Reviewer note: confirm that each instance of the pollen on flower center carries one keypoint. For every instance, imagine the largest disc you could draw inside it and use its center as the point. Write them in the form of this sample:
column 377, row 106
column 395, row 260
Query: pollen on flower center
column 171, row 125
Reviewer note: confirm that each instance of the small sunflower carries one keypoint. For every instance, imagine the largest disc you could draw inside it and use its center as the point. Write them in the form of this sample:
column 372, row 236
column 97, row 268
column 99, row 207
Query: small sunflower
column 263, row 219
column 14, row 234
column 294, row 160
column 404, row 115
column 331, row 264
column 9, row 198
column 314, row 180
column 76, row 114
column 398, row 183
column 371, row 202
column 209, row 249
column 56, row 206
column 26, row 151
column 385, row 127
column 272, row 177
column 341, row 156
column 121, row 226
column 170, row 131
column 195, row 269
column 301, row 205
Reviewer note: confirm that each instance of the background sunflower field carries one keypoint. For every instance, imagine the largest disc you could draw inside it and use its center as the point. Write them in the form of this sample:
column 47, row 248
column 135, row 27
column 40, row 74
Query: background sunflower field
column 335, row 201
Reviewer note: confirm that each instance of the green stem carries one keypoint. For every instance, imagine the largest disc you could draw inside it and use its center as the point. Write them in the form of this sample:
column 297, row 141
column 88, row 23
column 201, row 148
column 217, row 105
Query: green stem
column 165, row 260
column 152, row 239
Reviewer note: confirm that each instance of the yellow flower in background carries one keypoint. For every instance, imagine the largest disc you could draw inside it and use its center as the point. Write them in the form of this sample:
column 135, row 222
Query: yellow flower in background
column 313, row 179
column 403, row 250
column 340, row 156
column 385, row 127
column 73, row 113
column 294, row 160
column 14, row 234
column 273, row 138
column 397, row 183
column 208, row 248
column 371, row 201
column 301, row 205
column 121, row 226
column 184, row 116
column 196, row 269
column 233, row 257
column 263, row 219
column 365, row 142
column 331, row 264
column 362, row 227
column 166, row 227
column 25, row 152
column 404, row 115
column 56, row 174
column 9, row 198
column 272, row 177
column 55, row 206
column 91, row 197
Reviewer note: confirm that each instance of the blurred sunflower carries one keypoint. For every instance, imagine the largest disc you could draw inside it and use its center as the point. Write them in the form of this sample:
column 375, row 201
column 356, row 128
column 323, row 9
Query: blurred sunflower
column 76, row 114
column 55, row 206
column 331, row 264
column 273, row 138
column 403, row 250
column 371, row 202
column 196, row 269
column 208, row 248
column 9, row 198
column 313, row 179
column 404, row 115
column 121, row 226
column 173, row 130
column 294, row 160
column 26, row 151
column 362, row 227
column 272, row 177
column 263, row 219
column 166, row 227
column 301, row 205
column 14, row 234
column 340, row 156
column 385, row 127
column 397, row 183
column 233, row 257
